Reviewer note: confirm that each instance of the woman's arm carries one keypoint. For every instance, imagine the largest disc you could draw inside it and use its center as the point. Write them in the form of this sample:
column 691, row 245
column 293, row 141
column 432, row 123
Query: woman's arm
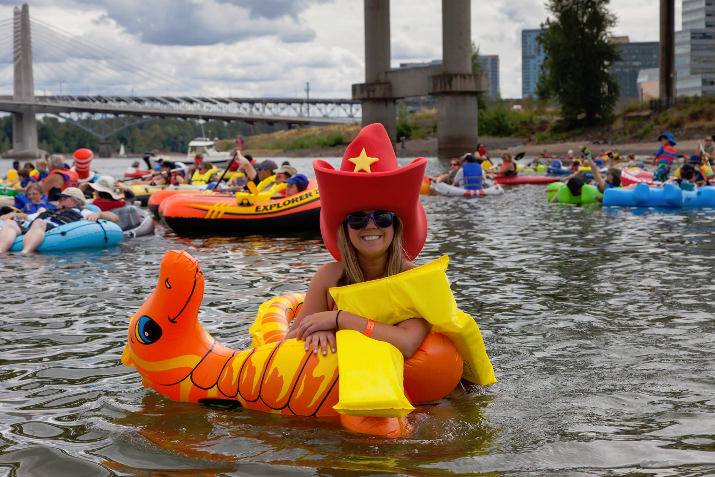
column 405, row 336
column 316, row 297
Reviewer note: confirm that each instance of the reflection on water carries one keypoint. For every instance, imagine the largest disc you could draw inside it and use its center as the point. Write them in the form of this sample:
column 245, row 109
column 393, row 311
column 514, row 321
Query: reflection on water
column 599, row 324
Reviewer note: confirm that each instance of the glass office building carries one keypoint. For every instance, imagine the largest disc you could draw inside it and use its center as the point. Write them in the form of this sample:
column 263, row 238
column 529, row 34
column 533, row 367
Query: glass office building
column 490, row 66
column 532, row 56
column 695, row 50
column 634, row 57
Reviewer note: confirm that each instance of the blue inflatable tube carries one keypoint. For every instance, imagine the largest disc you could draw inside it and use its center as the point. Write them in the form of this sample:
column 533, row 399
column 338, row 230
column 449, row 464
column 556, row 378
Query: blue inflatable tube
column 670, row 196
column 80, row 234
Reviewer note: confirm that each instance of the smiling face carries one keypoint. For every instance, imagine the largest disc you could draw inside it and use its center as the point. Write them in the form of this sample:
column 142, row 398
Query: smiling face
column 34, row 195
column 371, row 240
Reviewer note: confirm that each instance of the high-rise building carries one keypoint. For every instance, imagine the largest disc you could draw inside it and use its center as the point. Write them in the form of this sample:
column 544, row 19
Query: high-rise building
column 532, row 56
column 634, row 57
column 695, row 50
column 490, row 66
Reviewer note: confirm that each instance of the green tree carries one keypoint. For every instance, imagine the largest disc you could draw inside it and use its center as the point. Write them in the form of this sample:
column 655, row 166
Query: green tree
column 578, row 58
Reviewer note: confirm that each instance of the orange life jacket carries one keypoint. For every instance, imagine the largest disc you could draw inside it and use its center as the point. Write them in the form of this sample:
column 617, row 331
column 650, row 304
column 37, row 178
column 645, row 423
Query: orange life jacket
column 71, row 177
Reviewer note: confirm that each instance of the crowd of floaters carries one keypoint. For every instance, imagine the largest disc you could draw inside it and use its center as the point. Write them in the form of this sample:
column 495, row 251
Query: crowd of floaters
column 307, row 355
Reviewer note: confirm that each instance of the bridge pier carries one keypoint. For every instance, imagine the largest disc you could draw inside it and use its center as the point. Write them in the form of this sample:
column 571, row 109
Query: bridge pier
column 453, row 82
column 24, row 124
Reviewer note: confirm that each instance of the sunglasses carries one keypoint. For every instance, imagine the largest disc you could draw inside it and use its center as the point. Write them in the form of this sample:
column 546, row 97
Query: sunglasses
column 454, row 164
column 261, row 168
column 360, row 220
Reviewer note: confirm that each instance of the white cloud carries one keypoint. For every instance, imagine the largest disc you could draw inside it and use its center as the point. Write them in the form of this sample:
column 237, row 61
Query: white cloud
column 264, row 47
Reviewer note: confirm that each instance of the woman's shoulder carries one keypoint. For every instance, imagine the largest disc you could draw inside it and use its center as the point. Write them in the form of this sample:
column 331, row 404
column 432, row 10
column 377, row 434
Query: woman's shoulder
column 330, row 271
column 407, row 265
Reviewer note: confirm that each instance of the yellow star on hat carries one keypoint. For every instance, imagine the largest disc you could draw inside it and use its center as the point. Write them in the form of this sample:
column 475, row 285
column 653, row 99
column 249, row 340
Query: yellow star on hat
column 363, row 161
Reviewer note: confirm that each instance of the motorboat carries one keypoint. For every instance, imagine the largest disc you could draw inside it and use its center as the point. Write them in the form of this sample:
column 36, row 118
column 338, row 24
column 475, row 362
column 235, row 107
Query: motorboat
column 207, row 147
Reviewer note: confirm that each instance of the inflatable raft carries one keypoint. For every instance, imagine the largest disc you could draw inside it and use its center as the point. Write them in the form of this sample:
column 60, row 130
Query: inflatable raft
column 75, row 235
column 144, row 191
column 669, row 196
column 589, row 194
column 441, row 188
column 630, row 176
column 134, row 222
column 518, row 180
column 225, row 214
column 179, row 359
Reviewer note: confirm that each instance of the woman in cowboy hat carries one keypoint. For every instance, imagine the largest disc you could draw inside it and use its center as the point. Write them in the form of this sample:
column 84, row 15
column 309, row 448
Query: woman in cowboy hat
column 373, row 224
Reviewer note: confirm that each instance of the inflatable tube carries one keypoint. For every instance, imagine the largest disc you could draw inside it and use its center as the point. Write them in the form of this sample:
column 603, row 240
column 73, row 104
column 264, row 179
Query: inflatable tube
column 670, row 196
column 589, row 194
column 80, row 234
column 156, row 198
column 556, row 168
column 224, row 214
column 440, row 188
column 630, row 176
column 176, row 357
column 518, row 180
column 143, row 192
column 134, row 221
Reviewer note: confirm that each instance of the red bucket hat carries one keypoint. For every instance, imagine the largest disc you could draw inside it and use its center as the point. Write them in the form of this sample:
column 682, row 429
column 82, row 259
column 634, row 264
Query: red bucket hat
column 370, row 178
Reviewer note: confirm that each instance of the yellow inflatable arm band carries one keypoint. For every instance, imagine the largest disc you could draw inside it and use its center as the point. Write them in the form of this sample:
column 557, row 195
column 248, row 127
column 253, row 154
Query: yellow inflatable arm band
column 374, row 388
column 421, row 292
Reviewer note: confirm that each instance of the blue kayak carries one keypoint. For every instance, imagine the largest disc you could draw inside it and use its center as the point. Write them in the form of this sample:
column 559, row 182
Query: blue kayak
column 669, row 196
column 80, row 234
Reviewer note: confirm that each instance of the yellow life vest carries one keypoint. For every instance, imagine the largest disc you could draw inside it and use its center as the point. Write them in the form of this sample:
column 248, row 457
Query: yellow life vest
column 421, row 292
column 202, row 179
column 265, row 183
column 486, row 165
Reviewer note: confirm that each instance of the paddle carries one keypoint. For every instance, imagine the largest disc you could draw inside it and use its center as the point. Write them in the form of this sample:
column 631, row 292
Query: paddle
column 233, row 158
column 519, row 156
column 130, row 179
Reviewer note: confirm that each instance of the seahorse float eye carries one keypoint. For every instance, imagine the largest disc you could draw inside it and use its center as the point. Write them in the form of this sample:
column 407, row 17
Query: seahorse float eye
column 148, row 331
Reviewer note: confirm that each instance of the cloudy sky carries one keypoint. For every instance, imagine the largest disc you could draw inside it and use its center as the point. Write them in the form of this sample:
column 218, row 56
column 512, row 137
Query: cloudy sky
column 259, row 48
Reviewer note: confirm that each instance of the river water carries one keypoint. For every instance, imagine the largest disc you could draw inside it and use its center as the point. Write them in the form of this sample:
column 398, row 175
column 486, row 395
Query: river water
column 599, row 324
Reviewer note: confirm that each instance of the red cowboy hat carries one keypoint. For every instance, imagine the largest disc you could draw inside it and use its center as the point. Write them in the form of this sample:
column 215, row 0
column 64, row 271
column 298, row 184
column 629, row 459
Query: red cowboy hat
column 370, row 178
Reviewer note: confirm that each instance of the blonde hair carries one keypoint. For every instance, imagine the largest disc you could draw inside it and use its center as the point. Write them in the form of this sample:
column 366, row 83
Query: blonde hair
column 352, row 272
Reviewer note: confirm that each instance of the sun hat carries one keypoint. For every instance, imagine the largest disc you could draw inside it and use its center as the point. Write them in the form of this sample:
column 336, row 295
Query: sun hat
column 267, row 164
column 669, row 137
column 105, row 184
column 298, row 179
column 695, row 159
column 290, row 170
column 370, row 178
column 73, row 193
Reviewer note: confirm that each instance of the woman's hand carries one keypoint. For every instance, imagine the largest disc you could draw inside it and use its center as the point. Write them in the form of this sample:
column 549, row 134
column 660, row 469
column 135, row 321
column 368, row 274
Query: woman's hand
column 321, row 321
column 320, row 339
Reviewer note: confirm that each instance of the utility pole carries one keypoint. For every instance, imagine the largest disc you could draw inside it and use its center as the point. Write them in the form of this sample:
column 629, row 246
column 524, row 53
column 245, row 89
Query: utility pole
column 307, row 98
column 667, row 52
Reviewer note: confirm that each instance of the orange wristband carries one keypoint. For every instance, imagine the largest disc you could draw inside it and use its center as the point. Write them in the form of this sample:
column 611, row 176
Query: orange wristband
column 368, row 328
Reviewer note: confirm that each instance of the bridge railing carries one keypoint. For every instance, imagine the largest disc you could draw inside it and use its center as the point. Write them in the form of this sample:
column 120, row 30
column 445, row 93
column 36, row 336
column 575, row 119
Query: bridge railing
column 293, row 107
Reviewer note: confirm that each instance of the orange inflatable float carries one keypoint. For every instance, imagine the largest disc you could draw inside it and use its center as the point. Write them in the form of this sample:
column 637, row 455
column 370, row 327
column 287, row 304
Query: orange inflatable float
column 175, row 356
column 242, row 213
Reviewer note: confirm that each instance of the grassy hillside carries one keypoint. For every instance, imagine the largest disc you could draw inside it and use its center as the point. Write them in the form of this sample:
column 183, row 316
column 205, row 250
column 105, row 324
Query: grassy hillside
column 690, row 119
